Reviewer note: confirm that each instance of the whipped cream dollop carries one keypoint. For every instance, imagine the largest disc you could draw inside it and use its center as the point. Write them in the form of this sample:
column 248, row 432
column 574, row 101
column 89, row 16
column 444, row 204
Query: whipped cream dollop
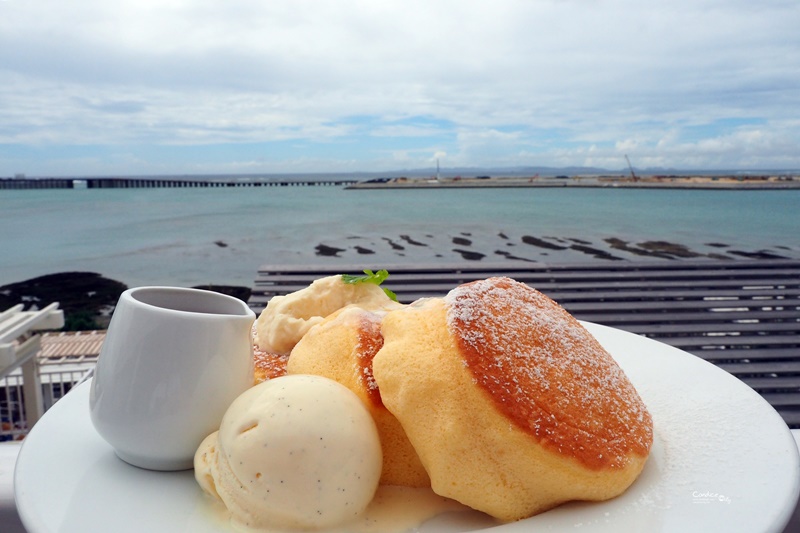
column 287, row 318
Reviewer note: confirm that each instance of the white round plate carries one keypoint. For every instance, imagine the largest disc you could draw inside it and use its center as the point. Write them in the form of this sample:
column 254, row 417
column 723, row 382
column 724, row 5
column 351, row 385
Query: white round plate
column 722, row 460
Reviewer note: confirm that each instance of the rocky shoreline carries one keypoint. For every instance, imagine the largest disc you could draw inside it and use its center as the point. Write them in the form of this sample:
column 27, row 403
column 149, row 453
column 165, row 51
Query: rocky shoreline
column 532, row 248
column 88, row 298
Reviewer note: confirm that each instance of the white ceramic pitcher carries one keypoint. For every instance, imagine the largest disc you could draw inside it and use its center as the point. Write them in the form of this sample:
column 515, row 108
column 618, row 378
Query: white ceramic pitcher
column 172, row 362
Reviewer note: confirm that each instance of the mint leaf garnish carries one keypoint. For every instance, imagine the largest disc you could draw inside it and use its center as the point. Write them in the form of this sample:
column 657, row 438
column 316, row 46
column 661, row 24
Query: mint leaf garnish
column 376, row 278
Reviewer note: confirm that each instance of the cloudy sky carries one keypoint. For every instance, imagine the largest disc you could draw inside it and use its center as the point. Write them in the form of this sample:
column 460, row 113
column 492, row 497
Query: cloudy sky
column 92, row 87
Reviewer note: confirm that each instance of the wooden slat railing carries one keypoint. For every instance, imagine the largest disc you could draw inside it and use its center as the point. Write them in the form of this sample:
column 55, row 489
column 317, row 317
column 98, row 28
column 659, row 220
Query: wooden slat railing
column 743, row 316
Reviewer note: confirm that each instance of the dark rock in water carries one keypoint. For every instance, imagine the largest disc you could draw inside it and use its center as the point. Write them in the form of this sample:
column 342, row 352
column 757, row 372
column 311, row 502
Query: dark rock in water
column 619, row 244
column 221, row 244
column 86, row 298
column 409, row 240
column 328, row 251
column 470, row 255
column 594, row 252
column 508, row 255
column 760, row 254
column 393, row 244
column 502, row 235
column 535, row 241
column 669, row 248
column 461, row 241
column 364, row 251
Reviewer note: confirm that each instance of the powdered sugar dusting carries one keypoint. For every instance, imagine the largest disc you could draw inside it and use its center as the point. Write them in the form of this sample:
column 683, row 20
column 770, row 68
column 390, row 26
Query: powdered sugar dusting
column 547, row 373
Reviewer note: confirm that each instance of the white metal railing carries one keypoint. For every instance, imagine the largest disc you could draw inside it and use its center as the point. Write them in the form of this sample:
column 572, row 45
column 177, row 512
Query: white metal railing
column 54, row 385
column 20, row 341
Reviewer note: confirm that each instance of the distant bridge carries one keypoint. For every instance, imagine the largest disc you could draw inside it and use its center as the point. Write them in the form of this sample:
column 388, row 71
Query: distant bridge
column 155, row 183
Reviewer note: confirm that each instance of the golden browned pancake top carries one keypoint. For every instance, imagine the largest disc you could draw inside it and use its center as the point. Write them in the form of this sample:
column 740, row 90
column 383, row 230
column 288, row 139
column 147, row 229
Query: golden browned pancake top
column 547, row 374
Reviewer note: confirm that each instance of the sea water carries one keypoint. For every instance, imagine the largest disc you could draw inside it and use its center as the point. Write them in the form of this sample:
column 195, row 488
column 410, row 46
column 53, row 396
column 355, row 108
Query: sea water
column 223, row 235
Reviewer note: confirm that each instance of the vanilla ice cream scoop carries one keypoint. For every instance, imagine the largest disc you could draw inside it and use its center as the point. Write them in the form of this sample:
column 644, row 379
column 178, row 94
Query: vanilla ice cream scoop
column 295, row 452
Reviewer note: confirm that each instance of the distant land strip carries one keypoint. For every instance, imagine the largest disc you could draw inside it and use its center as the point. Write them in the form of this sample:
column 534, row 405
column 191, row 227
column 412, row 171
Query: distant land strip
column 644, row 182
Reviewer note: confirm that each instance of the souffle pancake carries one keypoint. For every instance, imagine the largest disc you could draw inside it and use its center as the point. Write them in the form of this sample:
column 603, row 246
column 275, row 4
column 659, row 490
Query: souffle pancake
column 342, row 348
column 512, row 406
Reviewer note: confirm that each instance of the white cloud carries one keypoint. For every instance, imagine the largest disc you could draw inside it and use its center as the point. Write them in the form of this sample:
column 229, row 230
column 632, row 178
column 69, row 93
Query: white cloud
column 501, row 82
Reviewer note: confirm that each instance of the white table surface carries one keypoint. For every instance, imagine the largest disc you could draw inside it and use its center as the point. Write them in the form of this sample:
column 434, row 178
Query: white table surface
column 9, row 519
